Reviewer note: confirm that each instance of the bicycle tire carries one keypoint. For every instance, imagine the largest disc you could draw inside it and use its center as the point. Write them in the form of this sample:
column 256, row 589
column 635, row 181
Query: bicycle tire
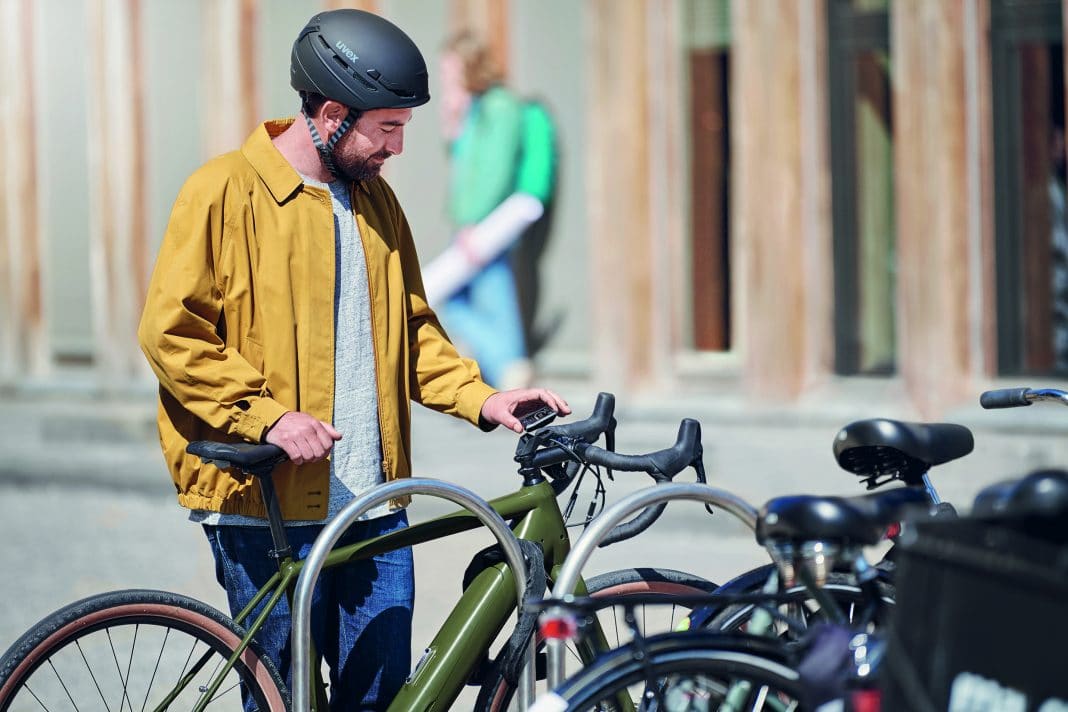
column 118, row 646
column 689, row 670
column 637, row 581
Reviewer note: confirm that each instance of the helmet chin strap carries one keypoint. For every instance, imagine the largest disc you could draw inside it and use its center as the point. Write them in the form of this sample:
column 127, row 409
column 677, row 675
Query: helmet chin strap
column 326, row 151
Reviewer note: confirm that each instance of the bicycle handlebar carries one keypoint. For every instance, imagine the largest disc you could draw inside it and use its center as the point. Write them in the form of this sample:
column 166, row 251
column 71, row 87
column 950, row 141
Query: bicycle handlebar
column 1016, row 397
column 1005, row 398
column 661, row 465
column 590, row 429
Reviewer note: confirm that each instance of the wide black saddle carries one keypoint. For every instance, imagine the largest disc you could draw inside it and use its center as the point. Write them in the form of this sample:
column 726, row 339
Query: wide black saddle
column 861, row 520
column 880, row 450
column 253, row 458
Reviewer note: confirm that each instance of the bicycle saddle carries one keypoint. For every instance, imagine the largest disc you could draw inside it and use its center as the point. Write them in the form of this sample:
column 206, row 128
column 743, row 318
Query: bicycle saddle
column 256, row 459
column 847, row 520
column 880, row 450
column 1041, row 494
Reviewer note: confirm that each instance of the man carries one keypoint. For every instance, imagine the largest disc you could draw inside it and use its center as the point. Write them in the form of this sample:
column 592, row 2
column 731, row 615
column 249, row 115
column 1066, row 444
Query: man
column 263, row 246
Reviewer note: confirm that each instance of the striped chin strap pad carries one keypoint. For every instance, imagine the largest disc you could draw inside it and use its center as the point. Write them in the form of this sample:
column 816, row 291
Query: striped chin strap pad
column 326, row 150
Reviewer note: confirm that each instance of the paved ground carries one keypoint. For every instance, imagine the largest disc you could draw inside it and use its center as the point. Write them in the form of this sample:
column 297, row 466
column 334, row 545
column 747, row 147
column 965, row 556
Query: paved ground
column 86, row 507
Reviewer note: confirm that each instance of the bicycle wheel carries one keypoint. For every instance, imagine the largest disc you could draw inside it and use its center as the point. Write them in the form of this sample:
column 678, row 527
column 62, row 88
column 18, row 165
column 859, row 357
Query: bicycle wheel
column 665, row 583
column 800, row 606
column 683, row 672
column 136, row 650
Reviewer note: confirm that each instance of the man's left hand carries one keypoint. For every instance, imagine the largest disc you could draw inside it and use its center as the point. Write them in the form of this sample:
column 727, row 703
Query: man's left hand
column 501, row 407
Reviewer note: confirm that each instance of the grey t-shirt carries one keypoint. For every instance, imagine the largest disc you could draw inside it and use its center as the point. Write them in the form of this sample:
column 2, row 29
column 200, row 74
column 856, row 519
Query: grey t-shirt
column 356, row 460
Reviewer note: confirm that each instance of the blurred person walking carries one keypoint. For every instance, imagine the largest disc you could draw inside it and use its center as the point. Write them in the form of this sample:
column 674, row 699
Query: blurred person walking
column 502, row 152
column 287, row 307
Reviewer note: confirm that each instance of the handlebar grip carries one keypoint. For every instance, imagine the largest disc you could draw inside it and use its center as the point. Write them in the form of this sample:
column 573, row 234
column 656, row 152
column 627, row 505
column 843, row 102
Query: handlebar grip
column 618, row 461
column 660, row 465
column 590, row 429
column 1005, row 398
column 635, row 526
column 550, row 456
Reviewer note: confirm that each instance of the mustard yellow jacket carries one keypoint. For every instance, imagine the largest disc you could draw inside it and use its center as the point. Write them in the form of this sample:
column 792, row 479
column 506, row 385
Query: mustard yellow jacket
column 238, row 325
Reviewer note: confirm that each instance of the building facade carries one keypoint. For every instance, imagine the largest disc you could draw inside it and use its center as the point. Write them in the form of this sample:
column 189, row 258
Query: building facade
column 767, row 195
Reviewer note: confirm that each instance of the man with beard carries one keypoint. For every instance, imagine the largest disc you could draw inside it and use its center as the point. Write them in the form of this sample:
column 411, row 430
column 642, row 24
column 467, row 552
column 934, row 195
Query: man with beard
column 287, row 307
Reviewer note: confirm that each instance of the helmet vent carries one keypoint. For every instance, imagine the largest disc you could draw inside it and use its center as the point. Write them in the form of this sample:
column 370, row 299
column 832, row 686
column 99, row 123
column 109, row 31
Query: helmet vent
column 361, row 80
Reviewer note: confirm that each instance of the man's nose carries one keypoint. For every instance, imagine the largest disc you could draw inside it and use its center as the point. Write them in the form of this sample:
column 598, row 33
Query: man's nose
column 395, row 142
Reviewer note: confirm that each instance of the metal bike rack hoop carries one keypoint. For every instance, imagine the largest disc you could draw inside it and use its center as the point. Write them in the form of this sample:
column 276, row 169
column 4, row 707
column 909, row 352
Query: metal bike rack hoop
column 333, row 530
column 582, row 550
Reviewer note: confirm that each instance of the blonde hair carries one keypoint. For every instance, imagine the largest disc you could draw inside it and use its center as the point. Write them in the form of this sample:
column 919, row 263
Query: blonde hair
column 481, row 70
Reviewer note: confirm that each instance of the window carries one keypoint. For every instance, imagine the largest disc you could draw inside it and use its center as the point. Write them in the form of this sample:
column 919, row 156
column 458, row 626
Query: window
column 862, row 186
column 709, row 68
column 1031, row 248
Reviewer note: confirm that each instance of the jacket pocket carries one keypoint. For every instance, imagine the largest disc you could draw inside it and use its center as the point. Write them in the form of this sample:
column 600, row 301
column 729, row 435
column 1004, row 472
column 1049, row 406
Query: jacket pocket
column 252, row 351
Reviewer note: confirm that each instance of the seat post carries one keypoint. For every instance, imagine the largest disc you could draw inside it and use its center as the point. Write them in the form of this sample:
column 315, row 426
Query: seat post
column 281, row 548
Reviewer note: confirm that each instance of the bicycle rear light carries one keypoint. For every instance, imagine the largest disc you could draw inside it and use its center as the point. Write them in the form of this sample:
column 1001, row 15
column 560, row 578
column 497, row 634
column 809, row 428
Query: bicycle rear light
column 558, row 624
column 866, row 701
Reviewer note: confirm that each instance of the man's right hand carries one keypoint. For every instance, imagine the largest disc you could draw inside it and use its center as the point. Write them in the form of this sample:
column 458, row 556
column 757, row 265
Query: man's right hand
column 304, row 438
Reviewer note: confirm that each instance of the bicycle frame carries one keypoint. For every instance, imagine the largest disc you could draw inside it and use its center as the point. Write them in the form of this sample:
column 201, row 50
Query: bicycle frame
column 478, row 616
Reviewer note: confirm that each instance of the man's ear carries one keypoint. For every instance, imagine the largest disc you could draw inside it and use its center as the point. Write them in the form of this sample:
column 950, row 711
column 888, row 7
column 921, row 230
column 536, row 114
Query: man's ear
column 332, row 114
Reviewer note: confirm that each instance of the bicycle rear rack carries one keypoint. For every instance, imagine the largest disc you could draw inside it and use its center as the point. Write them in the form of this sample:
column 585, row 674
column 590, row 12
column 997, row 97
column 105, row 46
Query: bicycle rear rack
column 582, row 550
column 326, row 541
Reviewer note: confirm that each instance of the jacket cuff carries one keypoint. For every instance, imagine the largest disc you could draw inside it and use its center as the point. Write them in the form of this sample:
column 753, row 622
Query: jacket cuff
column 253, row 423
column 470, row 401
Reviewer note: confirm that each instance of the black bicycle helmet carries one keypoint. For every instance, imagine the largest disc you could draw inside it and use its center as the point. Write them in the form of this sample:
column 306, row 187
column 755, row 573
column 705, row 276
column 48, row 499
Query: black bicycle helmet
column 359, row 59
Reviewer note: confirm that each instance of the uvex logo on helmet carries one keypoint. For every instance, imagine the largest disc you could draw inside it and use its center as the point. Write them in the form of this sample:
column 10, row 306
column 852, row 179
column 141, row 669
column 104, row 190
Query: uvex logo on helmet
column 346, row 51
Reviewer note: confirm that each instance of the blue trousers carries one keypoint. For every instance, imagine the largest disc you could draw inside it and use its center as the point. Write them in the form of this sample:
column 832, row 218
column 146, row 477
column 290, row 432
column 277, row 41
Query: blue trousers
column 484, row 315
column 361, row 611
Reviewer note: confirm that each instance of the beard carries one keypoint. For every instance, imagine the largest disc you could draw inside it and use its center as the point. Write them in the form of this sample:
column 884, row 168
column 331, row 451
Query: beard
column 353, row 166
column 359, row 168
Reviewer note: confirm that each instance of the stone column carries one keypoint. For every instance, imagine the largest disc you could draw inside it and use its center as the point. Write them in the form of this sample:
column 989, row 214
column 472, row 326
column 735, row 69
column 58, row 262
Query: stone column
column 781, row 232
column 24, row 348
column 937, row 157
column 617, row 189
column 230, row 74
column 120, row 243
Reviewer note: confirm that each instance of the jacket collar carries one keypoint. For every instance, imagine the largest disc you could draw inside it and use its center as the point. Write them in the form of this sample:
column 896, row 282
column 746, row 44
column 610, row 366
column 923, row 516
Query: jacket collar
column 274, row 170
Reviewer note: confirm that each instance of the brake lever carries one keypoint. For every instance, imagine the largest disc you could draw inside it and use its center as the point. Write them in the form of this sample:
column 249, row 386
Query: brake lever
column 610, row 445
column 698, row 465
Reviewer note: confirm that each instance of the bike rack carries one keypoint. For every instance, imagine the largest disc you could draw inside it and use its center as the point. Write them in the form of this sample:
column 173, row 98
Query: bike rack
column 568, row 575
column 326, row 540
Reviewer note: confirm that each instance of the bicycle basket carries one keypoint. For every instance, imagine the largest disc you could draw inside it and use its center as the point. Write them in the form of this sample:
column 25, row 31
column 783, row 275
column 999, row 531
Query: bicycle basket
column 981, row 621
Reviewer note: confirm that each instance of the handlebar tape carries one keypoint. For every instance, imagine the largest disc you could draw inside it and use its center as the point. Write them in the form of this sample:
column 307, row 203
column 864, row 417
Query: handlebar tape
column 1005, row 398
column 661, row 465
column 590, row 429
column 635, row 526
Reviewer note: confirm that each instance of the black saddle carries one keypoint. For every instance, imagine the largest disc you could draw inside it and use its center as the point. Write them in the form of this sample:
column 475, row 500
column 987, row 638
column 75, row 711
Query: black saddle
column 880, row 450
column 1041, row 494
column 846, row 520
column 255, row 459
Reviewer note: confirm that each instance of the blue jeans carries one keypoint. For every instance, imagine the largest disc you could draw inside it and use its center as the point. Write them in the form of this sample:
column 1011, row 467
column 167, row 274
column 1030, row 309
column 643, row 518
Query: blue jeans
column 485, row 316
column 361, row 611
